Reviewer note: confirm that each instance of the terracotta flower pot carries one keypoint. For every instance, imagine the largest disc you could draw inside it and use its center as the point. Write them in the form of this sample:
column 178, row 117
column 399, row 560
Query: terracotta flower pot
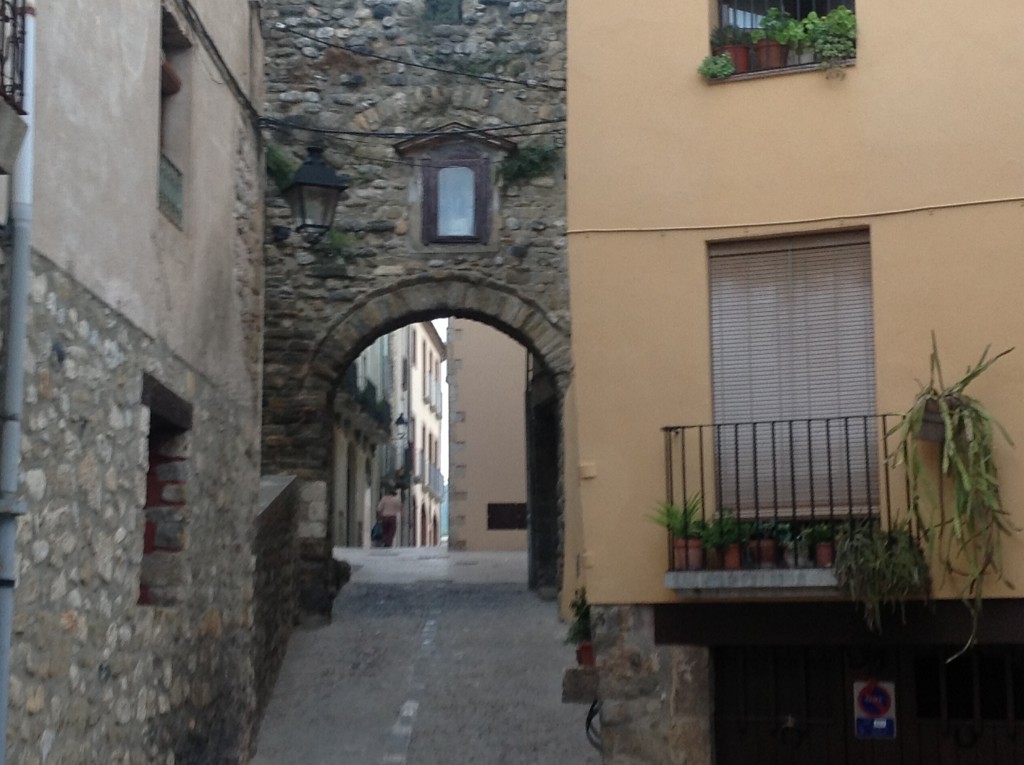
column 740, row 55
column 585, row 654
column 764, row 553
column 688, row 555
column 732, row 557
column 824, row 554
column 770, row 54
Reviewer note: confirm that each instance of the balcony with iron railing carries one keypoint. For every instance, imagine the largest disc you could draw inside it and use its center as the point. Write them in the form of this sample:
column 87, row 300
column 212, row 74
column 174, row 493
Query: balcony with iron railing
column 768, row 497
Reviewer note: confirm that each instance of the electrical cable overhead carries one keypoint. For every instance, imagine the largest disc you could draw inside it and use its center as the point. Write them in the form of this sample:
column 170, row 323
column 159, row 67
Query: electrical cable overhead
column 367, row 54
column 277, row 122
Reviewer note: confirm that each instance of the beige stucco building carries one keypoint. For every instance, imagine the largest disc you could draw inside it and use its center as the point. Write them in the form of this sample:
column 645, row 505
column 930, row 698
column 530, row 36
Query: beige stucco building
column 487, row 374
column 778, row 247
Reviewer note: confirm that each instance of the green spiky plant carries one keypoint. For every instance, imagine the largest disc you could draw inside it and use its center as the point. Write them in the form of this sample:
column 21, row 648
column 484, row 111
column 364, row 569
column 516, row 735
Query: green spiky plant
column 880, row 567
column 681, row 522
column 964, row 535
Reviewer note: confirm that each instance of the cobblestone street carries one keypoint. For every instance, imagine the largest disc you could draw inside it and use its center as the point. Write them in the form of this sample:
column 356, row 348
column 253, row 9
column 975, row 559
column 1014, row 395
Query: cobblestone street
column 432, row 658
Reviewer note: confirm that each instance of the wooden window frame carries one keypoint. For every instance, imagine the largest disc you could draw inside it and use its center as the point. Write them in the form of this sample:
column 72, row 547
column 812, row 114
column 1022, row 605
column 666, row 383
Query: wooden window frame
column 480, row 165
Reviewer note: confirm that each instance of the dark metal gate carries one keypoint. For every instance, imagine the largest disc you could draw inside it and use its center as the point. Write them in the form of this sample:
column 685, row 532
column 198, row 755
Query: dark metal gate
column 795, row 706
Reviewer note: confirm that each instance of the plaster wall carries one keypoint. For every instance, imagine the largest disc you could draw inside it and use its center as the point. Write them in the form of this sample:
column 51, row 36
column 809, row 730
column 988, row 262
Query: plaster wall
column 487, row 375
column 884, row 135
column 773, row 156
column 96, row 174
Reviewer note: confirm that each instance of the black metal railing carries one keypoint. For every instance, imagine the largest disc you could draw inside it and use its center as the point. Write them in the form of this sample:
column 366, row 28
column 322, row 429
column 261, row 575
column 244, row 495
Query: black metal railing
column 12, row 53
column 782, row 481
column 747, row 14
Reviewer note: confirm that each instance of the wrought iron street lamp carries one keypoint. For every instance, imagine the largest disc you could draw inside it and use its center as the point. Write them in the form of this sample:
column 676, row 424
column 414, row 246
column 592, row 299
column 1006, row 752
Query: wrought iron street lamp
column 313, row 195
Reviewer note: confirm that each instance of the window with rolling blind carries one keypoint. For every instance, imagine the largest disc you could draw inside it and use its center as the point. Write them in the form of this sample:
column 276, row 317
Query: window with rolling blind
column 793, row 371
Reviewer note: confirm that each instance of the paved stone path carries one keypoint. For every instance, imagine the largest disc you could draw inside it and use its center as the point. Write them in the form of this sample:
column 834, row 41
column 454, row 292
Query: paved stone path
column 433, row 658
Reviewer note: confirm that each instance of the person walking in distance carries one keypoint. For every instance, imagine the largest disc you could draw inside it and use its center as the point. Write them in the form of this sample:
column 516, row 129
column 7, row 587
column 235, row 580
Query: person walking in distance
column 388, row 510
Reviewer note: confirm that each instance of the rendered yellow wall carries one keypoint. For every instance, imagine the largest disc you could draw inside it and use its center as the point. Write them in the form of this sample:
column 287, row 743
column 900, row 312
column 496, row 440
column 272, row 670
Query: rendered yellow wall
column 652, row 146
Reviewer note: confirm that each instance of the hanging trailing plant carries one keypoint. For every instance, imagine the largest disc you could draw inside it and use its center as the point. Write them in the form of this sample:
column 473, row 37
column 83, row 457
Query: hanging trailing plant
column 965, row 535
column 880, row 567
column 528, row 163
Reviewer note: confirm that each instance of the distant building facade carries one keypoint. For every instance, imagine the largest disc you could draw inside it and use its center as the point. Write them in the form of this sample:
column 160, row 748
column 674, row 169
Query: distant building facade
column 487, row 375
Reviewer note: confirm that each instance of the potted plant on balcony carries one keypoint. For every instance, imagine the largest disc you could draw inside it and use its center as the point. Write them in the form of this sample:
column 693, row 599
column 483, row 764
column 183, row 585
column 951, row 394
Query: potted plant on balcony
column 771, row 40
column 763, row 545
column 880, row 567
column 819, row 541
column 684, row 526
column 580, row 632
column 966, row 533
column 735, row 43
column 833, row 37
column 723, row 539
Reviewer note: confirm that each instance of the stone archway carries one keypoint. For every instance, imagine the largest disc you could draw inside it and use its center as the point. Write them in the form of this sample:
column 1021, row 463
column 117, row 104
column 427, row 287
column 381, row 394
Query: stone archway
column 306, row 361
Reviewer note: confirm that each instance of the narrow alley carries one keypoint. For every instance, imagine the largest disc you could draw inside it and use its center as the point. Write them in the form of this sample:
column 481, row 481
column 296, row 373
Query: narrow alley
column 430, row 658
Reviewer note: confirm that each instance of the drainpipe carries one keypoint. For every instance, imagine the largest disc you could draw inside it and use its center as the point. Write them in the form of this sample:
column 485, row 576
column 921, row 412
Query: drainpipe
column 14, row 371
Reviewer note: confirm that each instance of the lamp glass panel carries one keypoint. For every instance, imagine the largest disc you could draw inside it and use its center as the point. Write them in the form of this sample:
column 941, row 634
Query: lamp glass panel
column 456, row 201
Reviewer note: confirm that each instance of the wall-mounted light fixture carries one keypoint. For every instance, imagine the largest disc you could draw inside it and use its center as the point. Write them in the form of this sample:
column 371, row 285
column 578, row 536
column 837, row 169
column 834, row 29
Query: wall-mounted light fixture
column 313, row 195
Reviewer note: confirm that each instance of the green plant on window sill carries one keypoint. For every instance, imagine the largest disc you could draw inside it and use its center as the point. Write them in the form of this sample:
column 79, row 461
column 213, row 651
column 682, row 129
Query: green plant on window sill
column 528, row 163
column 832, row 37
column 717, row 67
column 965, row 535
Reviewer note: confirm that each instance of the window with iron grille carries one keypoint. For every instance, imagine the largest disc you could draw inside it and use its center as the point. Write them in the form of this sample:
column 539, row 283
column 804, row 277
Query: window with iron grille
column 747, row 14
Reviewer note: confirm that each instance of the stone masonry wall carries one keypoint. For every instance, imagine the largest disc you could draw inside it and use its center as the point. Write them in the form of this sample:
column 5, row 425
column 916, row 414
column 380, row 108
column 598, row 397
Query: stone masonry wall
column 274, row 591
column 312, row 291
column 349, row 65
column 97, row 677
column 655, row 700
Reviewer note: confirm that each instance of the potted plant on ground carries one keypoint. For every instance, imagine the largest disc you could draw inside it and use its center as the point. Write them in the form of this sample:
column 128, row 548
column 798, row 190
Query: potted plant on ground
column 580, row 631
column 966, row 533
column 819, row 539
column 723, row 539
column 684, row 526
column 717, row 67
column 880, row 567
column 834, row 39
column 771, row 39
column 735, row 43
